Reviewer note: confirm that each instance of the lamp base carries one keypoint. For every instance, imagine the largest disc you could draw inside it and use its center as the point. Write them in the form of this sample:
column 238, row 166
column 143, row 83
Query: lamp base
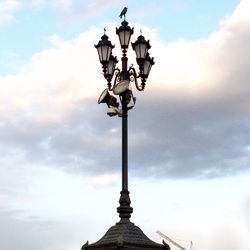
column 126, row 236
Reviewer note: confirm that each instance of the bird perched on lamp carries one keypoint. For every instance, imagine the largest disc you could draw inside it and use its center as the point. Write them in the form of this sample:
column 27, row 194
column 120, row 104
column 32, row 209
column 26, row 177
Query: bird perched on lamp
column 123, row 13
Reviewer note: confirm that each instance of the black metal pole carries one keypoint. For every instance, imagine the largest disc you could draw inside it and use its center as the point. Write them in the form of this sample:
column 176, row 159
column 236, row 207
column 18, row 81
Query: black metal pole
column 124, row 125
column 124, row 147
column 124, row 209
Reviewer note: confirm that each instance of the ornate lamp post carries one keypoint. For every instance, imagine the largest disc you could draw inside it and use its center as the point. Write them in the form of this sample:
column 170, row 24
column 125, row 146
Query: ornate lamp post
column 124, row 235
column 121, row 87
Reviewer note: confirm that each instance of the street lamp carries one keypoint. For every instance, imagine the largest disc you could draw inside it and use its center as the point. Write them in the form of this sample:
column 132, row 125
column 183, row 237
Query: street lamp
column 119, row 81
column 118, row 96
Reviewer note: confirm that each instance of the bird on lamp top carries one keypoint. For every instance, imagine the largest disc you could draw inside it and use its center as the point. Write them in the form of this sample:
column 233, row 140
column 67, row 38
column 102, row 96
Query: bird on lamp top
column 123, row 13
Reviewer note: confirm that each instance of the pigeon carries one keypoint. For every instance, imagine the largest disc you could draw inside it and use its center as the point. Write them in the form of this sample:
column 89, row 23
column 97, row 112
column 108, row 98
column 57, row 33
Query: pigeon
column 123, row 13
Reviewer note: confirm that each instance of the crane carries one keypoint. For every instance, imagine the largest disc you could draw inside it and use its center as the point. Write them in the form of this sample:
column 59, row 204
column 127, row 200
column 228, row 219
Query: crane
column 173, row 242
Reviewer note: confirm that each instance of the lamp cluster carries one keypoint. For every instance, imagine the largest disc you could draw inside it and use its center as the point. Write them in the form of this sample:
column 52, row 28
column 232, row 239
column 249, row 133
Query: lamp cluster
column 123, row 77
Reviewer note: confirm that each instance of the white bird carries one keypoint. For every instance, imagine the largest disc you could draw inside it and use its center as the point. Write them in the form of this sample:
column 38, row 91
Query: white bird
column 124, row 11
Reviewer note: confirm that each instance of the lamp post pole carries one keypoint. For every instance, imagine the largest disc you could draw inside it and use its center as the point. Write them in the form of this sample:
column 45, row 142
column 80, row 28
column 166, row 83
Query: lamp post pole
column 124, row 147
column 125, row 76
column 124, row 209
column 121, row 87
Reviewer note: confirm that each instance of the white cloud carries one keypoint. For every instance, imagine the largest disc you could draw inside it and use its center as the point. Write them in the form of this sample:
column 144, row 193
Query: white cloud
column 9, row 5
column 7, row 9
column 241, row 13
column 201, row 87
column 53, row 79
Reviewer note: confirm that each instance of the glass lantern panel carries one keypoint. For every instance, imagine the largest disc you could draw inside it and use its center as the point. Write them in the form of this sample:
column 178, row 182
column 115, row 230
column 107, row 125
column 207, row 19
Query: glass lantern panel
column 137, row 51
column 124, row 37
column 104, row 52
column 147, row 68
column 121, row 37
column 141, row 50
column 145, row 51
column 127, row 35
column 99, row 50
column 111, row 66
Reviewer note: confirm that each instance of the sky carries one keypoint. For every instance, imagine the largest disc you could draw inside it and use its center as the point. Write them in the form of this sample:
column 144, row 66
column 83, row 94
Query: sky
column 189, row 142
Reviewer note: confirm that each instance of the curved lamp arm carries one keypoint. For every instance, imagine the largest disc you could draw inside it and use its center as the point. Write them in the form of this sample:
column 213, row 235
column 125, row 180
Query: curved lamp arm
column 133, row 78
column 117, row 74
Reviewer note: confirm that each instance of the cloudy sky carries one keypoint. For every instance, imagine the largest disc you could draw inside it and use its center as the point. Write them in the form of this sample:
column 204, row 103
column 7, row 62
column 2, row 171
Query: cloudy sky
column 189, row 140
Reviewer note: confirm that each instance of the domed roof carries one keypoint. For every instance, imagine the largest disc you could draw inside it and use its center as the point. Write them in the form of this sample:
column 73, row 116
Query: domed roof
column 125, row 233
